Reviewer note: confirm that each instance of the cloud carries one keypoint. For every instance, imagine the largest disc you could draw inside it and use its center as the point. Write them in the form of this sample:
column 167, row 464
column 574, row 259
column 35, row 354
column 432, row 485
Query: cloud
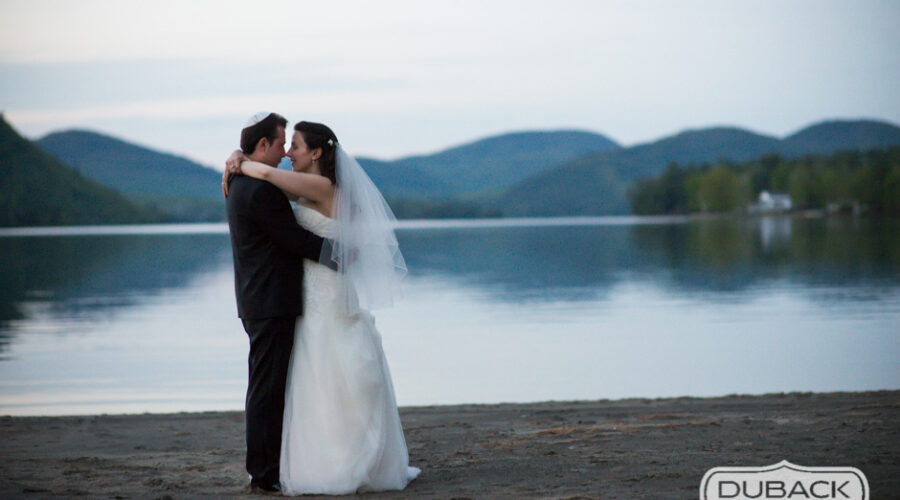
column 438, row 72
column 323, row 101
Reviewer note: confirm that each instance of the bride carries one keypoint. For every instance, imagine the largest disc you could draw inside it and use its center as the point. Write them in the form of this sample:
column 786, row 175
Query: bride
column 341, row 431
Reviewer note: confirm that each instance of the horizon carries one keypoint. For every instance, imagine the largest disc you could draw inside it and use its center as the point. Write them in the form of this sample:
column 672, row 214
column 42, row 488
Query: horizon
column 400, row 78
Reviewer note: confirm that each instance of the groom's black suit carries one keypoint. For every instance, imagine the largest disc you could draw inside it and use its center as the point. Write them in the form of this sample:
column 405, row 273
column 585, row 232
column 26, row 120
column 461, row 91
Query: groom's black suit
column 268, row 247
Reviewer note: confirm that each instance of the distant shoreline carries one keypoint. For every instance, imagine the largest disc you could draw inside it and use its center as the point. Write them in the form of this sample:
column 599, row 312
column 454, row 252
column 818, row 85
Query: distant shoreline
column 578, row 220
column 629, row 448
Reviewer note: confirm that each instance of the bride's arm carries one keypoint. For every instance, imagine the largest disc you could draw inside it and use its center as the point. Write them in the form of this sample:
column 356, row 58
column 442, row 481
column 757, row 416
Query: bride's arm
column 233, row 167
column 315, row 188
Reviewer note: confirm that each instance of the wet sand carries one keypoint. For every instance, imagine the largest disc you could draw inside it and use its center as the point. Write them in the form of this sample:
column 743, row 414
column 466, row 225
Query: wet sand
column 632, row 448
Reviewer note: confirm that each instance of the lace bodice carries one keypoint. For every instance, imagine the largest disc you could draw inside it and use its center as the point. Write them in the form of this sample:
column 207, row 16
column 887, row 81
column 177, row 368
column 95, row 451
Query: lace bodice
column 321, row 285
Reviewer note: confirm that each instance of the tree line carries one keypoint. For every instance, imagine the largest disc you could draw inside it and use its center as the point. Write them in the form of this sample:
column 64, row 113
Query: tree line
column 868, row 180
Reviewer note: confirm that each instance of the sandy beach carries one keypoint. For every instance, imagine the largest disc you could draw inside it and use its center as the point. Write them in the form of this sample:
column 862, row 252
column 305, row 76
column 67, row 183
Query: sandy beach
column 632, row 448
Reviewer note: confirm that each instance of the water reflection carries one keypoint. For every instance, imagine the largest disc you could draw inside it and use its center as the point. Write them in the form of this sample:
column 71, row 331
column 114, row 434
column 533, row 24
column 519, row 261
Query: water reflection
column 728, row 255
column 146, row 322
column 86, row 277
column 718, row 255
column 524, row 262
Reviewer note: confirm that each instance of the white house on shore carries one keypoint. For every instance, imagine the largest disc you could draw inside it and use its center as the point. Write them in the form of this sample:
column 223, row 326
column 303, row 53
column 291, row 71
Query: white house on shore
column 772, row 203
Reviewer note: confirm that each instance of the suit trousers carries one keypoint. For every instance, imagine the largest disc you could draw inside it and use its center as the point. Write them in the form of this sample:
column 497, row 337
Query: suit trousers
column 271, row 341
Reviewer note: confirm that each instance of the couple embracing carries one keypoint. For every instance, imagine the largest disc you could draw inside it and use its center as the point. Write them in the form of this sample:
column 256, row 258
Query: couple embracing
column 321, row 416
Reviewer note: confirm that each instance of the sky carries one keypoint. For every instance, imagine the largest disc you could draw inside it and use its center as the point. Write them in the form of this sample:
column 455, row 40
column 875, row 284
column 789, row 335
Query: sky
column 401, row 77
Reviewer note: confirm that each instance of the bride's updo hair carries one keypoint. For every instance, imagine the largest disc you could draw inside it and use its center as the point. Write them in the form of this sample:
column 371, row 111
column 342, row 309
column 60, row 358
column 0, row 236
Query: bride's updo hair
column 317, row 135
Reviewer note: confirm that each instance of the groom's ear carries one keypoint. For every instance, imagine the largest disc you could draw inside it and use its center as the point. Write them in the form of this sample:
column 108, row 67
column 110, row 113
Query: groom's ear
column 262, row 144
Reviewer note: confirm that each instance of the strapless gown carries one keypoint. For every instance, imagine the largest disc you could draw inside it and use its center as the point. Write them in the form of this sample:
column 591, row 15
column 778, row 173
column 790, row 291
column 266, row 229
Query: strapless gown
column 342, row 430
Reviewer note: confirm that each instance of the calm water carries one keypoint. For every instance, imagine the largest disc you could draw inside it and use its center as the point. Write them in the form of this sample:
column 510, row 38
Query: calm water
column 494, row 311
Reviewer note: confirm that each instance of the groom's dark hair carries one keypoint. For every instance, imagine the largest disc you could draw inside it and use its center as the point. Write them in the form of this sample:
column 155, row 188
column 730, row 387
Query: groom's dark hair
column 267, row 127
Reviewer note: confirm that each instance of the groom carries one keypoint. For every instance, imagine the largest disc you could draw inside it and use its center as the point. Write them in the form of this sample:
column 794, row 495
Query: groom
column 268, row 247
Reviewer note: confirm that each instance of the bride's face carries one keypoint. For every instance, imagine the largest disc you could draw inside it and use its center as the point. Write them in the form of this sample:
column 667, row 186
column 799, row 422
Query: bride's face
column 300, row 155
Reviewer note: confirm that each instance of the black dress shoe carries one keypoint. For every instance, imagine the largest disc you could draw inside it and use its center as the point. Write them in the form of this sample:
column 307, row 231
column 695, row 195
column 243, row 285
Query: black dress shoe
column 264, row 488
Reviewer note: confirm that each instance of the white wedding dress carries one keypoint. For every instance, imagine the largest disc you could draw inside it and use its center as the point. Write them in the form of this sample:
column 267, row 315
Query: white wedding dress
column 341, row 431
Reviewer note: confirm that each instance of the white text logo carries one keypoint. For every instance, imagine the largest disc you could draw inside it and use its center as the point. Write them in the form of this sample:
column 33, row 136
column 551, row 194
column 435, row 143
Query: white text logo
column 786, row 481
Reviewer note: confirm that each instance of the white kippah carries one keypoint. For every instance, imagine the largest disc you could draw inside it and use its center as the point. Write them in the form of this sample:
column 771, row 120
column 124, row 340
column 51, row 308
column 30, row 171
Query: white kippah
column 258, row 117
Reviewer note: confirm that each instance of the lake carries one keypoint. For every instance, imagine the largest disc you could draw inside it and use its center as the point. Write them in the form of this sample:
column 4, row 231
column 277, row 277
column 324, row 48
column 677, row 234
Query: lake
column 143, row 319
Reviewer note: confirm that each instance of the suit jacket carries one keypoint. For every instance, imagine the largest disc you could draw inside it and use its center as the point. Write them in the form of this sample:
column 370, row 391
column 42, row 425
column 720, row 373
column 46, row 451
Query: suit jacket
column 268, row 247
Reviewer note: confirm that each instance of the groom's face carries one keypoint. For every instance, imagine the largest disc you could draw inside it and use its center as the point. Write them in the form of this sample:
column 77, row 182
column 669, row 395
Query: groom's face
column 275, row 152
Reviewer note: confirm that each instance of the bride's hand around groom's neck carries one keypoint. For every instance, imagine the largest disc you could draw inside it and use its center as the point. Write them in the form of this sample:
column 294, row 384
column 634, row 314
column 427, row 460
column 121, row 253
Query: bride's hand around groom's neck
column 232, row 167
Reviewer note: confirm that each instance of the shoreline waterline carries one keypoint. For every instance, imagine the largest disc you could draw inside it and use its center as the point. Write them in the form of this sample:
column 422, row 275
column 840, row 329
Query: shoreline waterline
column 222, row 227
column 229, row 409
column 406, row 224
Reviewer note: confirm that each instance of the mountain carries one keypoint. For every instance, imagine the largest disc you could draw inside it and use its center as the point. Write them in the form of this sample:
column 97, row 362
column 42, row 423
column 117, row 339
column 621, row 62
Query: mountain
column 564, row 172
column 401, row 181
column 484, row 165
column 578, row 187
column 833, row 136
column 36, row 189
column 596, row 184
column 185, row 190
